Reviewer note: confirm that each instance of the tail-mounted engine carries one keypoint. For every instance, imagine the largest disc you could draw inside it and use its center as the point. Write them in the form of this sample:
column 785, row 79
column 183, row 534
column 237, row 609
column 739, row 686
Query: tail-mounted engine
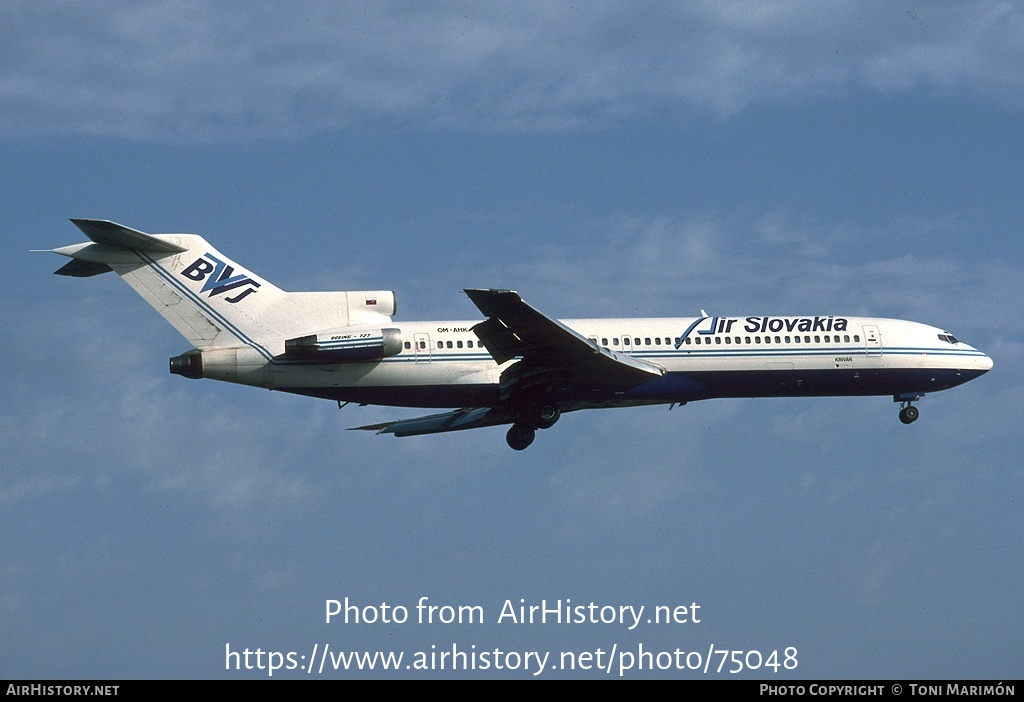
column 189, row 364
column 345, row 346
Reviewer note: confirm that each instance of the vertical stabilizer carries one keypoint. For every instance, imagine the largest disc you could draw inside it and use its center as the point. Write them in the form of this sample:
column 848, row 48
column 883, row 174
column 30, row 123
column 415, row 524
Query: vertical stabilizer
column 207, row 297
column 211, row 300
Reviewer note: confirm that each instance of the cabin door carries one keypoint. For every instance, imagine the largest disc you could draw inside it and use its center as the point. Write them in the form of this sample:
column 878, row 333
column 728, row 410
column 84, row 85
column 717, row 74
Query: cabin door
column 872, row 340
column 421, row 345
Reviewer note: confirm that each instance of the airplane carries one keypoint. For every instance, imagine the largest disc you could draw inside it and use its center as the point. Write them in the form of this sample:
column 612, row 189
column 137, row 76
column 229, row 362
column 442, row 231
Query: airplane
column 517, row 366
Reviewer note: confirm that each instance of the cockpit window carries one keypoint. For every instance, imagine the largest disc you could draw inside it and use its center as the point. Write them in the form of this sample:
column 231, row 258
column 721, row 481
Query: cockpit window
column 948, row 338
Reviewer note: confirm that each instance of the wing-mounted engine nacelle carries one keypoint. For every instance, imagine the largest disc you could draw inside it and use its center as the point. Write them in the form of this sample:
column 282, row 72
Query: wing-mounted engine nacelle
column 345, row 345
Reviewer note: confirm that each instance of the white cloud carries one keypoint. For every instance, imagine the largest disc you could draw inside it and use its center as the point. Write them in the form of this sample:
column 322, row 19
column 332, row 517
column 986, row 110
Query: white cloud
column 189, row 71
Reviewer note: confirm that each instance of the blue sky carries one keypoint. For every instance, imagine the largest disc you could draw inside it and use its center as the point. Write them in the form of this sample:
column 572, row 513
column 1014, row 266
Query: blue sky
column 612, row 160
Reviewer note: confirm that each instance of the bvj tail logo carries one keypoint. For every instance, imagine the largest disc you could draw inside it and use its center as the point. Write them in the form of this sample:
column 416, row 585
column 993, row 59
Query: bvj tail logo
column 219, row 278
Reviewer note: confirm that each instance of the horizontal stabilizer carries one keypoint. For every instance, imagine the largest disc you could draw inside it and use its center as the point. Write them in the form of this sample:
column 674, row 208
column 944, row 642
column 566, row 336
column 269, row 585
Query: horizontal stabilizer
column 82, row 269
column 466, row 418
column 103, row 231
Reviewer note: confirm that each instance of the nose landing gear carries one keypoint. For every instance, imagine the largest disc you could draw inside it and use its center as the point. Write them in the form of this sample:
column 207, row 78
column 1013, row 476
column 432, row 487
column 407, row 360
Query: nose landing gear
column 909, row 413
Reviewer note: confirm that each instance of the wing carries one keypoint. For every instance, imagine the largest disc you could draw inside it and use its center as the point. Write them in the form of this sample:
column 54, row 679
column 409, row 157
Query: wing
column 549, row 352
column 467, row 418
column 551, row 356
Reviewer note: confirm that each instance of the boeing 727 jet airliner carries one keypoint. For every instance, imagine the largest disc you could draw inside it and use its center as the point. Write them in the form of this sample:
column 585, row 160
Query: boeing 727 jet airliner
column 517, row 366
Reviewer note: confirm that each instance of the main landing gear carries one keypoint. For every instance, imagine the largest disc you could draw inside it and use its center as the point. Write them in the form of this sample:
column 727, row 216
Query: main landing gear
column 541, row 416
column 909, row 413
column 520, row 436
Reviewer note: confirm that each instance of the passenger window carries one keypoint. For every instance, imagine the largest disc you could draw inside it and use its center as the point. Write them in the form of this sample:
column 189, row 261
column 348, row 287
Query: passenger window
column 458, row 344
column 408, row 345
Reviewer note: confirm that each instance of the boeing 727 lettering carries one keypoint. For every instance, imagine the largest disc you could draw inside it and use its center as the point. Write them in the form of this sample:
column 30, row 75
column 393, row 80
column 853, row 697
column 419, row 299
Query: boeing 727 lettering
column 515, row 366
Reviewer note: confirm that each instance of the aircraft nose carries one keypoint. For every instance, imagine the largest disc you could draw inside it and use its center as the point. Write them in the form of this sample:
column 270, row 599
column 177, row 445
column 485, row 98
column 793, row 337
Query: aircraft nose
column 979, row 361
column 985, row 364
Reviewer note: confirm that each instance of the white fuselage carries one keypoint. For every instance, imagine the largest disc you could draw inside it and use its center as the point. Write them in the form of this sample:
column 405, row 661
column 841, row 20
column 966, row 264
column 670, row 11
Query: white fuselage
column 443, row 364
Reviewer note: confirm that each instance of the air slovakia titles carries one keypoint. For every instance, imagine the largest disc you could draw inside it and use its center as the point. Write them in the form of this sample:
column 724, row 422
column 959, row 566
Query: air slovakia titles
column 758, row 325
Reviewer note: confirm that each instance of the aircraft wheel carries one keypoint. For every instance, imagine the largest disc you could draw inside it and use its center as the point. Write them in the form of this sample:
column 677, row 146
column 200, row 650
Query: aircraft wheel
column 909, row 414
column 546, row 416
column 520, row 436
